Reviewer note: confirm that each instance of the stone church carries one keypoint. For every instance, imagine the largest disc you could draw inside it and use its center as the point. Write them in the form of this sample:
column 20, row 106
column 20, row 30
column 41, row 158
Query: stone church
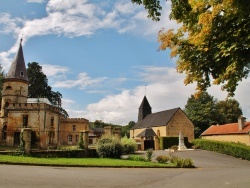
column 48, row 124
column 151, row 126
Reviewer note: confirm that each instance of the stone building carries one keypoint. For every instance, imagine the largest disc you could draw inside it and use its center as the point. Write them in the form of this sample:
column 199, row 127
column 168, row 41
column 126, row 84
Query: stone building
column 49, row 126
column 231, row 132
column 151, row 126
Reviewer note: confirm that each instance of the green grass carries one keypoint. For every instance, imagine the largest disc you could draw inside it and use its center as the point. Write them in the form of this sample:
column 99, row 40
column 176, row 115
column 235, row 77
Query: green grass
column 87, row 162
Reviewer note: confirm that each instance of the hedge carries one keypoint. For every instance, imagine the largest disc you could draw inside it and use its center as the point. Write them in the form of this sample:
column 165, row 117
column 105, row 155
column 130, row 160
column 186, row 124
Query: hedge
column 168, row 141
column 234, row 149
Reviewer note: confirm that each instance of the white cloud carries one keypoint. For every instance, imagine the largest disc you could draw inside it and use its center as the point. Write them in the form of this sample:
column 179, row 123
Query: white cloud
column 82, row 82
column 81, row 18
column 166, row 92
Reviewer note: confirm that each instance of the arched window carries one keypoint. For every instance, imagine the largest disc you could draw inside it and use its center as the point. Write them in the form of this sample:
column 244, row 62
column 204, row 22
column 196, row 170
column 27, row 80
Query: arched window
column 4, row 132
column 8, row 88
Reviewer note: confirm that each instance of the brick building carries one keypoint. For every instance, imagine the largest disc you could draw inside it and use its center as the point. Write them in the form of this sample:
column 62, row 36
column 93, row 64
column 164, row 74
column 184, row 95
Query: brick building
column 48, row 123
column 151, row 126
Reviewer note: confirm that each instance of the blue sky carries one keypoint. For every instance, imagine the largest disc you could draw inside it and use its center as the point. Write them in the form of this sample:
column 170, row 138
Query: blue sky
column 99, row 55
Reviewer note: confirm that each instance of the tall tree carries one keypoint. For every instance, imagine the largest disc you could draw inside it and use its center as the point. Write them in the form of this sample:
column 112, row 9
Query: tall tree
column 212, row 43
column 203, row 112
column 230, row 109
column 38, row 86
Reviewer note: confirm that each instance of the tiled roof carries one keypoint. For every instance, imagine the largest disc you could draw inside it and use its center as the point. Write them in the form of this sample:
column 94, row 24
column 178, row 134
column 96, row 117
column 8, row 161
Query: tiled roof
column 156, row 119
column 146, row 133
column 231, row 128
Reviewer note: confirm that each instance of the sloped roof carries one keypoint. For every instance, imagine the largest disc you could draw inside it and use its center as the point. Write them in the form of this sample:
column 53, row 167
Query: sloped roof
column 98, row 130
column 18, row 69
column 156, row 119
column 146, row 133
column 145, row 103
column 231, row 128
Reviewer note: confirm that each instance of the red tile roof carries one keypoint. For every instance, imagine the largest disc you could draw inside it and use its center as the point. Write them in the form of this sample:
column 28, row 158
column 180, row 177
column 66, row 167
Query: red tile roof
column 231, row 128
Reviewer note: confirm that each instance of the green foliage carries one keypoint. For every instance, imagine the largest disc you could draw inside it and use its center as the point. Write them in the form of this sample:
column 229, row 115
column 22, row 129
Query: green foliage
column 80, row 143
column 230, row 110
column 152, row 6
column 136, row 158
column 149, row 154
column 234, row 149
column 129, row 145
column 38, row 86
column 169, row 141
column 109, row 147
column 182, row 163
column 22, row 142
column 204, row 111
column 125, row 129
column 162, row 158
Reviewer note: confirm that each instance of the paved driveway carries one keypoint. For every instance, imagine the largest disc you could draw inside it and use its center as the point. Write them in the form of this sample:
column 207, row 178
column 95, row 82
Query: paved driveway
column 214, row 170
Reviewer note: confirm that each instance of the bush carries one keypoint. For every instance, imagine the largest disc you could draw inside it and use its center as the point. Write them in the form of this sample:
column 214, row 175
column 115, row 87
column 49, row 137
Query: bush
column 149, row 154
column 168, row 141
column 174, row 147
column 162, row 158
column 183, row 163
column 234, row 149
column 129, row 145
column 109, row 147
column 136, row 158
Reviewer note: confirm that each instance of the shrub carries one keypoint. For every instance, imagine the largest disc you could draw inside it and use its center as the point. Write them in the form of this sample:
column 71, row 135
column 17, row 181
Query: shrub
column 162, row 158
column 80, row 143
column 136, row 158
column 174, row 147
column 234, row 149
column 149, row 154
column 109, row 147
column 183, row 163
column 168, row 141
column 129, row 145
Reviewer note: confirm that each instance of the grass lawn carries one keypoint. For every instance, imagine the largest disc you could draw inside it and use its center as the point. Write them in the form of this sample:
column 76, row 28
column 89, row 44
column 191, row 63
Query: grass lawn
column 83, row 162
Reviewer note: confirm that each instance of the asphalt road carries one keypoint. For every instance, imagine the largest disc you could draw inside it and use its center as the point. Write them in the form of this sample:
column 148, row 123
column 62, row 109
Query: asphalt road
column 213, row 170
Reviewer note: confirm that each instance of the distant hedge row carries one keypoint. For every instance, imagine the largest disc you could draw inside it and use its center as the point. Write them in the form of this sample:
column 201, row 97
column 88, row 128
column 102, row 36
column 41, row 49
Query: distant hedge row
column 169, row 141
column 234, row 149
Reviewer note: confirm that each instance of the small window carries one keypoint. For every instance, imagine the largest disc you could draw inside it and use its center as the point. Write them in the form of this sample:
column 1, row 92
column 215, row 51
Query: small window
column 25, row 120
column 70, row 138
column 74, row 128
column 21, row 73
column 52, row 122
column 77, row 138
column 8, row 88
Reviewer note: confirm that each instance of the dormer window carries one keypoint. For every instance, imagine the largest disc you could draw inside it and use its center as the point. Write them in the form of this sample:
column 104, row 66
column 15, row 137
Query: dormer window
column 21, row 73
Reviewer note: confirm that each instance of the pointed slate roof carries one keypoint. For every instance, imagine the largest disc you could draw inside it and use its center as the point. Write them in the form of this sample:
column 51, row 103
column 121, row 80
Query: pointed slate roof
column 144, row 109
column 156, row 119
column 18, row 69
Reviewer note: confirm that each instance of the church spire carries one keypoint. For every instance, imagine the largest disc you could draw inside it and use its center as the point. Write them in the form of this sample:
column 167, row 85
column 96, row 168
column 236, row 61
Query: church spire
column 144, row 109
column 18, row 69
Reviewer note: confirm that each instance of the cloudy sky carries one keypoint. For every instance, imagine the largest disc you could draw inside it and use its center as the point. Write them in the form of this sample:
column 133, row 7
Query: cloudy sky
column 102, row 56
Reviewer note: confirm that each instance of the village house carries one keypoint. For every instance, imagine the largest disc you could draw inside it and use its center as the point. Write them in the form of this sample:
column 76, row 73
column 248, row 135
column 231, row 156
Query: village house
column 232, row 132
column 48, row 124
column 151, row 126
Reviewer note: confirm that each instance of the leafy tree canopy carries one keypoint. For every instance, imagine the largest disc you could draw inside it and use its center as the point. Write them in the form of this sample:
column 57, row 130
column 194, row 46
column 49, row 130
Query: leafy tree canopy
column 212, row 43
column 205, row 110
column 38, row 86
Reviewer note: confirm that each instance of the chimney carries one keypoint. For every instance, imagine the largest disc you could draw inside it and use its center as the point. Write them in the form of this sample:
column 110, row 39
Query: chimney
column 241, row 122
